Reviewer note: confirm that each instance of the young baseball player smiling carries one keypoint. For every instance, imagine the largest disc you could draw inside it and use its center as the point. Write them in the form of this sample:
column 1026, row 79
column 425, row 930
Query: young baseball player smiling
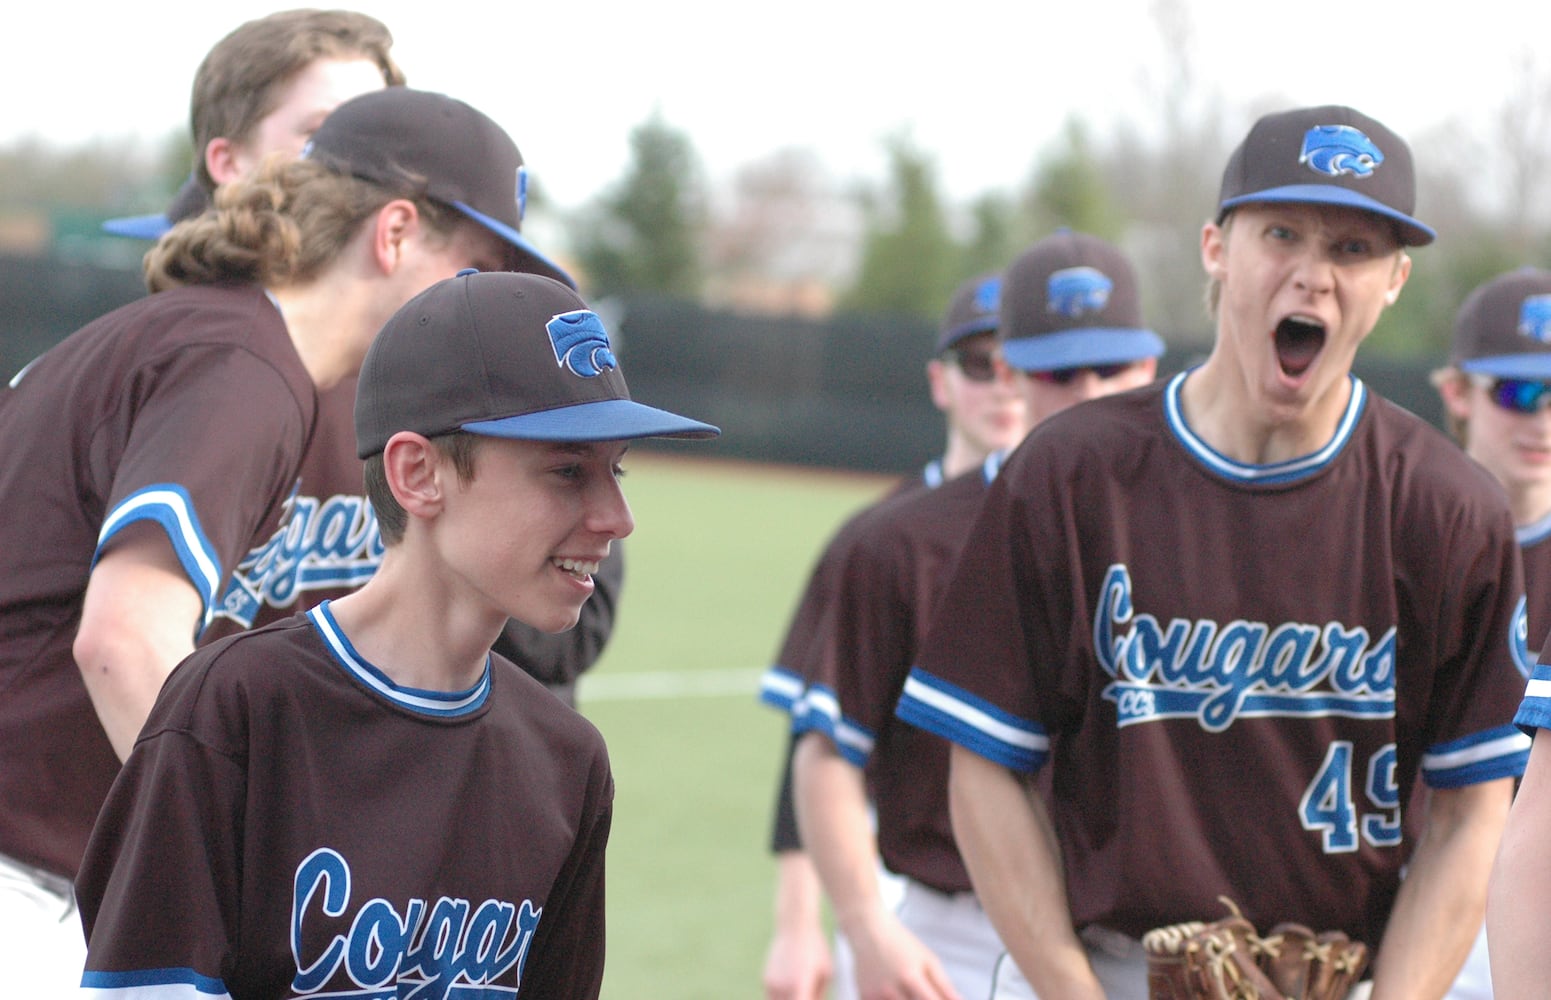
column 373, row 801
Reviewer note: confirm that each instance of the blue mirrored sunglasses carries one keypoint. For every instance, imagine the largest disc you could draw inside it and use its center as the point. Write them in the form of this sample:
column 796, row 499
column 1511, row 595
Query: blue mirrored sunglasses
column 1520, row 395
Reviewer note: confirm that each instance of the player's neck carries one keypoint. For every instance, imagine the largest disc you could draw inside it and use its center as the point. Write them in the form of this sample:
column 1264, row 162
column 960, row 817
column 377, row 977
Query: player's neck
column 1222, row 412
column 330, row 327
column 1530, row 502
column 960, row 456
column 415, row 629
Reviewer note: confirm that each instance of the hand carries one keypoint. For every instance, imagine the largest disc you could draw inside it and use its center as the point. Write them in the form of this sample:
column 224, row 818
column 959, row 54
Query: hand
column 893, row 964
column 798, row 964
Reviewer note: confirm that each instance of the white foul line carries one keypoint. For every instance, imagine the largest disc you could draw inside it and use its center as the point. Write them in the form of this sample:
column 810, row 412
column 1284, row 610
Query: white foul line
column 646, row 685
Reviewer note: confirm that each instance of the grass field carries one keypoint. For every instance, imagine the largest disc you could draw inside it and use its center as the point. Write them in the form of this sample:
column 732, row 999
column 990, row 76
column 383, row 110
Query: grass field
column 712, row 573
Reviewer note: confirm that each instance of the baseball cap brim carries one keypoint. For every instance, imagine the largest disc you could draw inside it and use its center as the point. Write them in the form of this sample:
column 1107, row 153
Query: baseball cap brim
column 985, row 324
column 1412, row 233
column 138, row 227
column 603, row 420
column 533, row 261
column 1081, row 348
column 1535, row 367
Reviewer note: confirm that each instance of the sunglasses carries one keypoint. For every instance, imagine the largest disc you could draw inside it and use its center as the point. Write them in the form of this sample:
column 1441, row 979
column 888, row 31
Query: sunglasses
column 1064, row 376
column 977, row 365
column 1519, row 395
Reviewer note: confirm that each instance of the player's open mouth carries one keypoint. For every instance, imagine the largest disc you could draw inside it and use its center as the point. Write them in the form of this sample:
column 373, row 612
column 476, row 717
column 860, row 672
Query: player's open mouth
column 578, row 568
column 1298, row 342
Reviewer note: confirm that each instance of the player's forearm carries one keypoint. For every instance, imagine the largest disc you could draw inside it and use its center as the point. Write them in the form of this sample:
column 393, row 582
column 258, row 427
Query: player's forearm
column 1010, row 850
column 1519, row 898
column 797, row 965
column 836, row 829
column 137, row 623
column 1438, row 910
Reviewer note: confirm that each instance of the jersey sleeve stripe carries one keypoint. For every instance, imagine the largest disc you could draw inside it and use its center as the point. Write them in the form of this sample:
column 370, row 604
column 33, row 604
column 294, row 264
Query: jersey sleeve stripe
column 936, row 706
column 819, row 711
column 1501, row 752
column 780, row 688
column 170, row 506
column 152, row 984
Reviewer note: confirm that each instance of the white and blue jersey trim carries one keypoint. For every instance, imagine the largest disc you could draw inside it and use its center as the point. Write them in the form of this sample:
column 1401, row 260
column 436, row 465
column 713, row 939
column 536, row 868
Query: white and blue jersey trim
column 1500, row 752
column 445, row 704
column 780, row 688
column 170, row 506
column 1535, row 710
column 932, row 704
column 1276, row 472
column 153, row 984
column 819, row 711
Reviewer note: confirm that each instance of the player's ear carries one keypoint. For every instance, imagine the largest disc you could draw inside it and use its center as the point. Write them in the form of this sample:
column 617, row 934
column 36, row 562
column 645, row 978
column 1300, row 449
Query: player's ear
column 410, row 464
column 1398, row 278
column 222, row 160
column 395, row 225
column 937, row 381
column 1454, row 390
column 1214, row 247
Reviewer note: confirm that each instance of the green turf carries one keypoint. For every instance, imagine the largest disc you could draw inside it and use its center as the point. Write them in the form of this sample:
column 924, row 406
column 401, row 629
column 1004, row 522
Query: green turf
column 712, row 573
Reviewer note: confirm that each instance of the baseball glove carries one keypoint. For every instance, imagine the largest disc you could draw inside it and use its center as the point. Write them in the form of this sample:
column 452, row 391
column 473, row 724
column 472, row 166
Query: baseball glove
column 1228, row 960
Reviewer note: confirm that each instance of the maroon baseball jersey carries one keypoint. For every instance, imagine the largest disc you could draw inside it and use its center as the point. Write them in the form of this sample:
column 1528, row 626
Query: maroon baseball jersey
column 1535, row 549
column 892, row 574
column 188, row 410
column 293, row 823
column 781, row 685
column 1235, row 671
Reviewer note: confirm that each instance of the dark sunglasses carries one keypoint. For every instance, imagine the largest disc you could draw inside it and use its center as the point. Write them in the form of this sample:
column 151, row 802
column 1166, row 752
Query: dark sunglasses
column 977, row 365
column 1064, row 376
column 1520, row 395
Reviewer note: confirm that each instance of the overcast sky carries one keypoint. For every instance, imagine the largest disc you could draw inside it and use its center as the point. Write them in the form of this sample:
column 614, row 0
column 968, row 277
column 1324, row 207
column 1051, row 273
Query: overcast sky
column 983, row 86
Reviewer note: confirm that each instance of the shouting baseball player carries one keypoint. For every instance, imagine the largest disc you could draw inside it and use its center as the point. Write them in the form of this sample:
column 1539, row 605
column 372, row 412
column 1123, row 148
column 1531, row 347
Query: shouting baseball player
column 1236, row 615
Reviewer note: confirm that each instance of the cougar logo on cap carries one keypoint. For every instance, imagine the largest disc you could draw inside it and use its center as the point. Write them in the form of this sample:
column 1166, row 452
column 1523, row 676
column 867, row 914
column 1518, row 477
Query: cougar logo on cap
column 1535, row 318
column 988, row 296
column 1073, row 291
column 522, row 193
column 581, row 343
column 1339, row 149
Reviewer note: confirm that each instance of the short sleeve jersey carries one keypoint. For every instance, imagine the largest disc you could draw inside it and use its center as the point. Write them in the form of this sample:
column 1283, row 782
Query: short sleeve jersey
column 325, row 831
column 897, row 565
column 187, row 410
column 1228, row 663
column 1535, row 711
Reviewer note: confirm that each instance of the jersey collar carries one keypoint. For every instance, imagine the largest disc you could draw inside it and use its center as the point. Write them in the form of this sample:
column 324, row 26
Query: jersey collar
column 444, row 704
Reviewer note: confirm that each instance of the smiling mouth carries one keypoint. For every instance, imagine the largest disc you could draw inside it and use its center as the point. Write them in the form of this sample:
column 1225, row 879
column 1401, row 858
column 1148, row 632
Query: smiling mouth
column 578, row 568
column 1298, row 343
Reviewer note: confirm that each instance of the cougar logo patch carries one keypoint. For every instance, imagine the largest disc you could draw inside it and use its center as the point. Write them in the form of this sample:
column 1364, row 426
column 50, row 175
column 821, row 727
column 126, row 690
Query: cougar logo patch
column 581, row 343
column 988, row 297
column 1535, row 318
column 1073, row 291
column 1334, row 150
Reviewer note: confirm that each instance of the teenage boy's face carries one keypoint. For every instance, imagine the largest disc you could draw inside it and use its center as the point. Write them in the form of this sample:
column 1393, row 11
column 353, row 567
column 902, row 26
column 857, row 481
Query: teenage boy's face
column 970, row 386
column 1047, row 393
column 527, row 532
column 1302, row 285
column 304, row 101
column 1514, row 447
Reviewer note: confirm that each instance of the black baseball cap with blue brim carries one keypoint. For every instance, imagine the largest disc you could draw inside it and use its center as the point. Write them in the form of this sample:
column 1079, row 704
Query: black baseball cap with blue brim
column 1503, row 328
column 502, row 354
column 972, row 309
column 439, row 147
column 1071, row 301
column 1328, row 155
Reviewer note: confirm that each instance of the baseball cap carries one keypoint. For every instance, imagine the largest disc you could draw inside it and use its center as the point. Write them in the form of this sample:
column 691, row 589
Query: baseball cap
column 1329, row 155
column 501, row 354
column 439, row 147
column 191, row 200
column 1071, row 301
column 1503, row 328
column 972, row 310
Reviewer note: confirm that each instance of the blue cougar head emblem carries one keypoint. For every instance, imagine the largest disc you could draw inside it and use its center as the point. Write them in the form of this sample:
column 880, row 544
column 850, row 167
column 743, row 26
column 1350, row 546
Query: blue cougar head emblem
column 1334, row 150
column 581, row 343
column 988, row 296
column 1073, row 291
column 1535, row 318
column 522, row 193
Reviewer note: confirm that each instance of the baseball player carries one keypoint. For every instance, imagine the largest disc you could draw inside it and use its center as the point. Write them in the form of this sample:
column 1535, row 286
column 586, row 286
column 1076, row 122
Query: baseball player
column 1071, row 329
column 494, row 472
column 1495, row 391
column 262, row 90
column 149, row 447
column 982, row 415
column 1236, row 615
column 265, row 88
